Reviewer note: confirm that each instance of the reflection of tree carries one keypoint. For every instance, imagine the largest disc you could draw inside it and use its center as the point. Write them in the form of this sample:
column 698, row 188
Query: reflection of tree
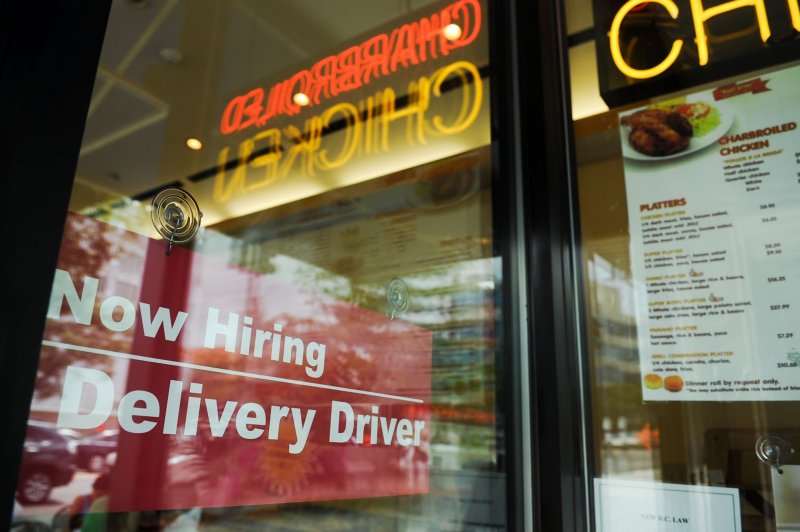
column 87, row 249
column 84, row 251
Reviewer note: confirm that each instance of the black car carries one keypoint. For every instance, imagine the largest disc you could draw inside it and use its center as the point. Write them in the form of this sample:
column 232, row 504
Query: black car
column 48, row 461
column 93, row 450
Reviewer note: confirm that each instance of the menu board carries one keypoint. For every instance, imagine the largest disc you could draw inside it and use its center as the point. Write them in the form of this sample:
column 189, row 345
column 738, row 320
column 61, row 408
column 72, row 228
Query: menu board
column 713, row 189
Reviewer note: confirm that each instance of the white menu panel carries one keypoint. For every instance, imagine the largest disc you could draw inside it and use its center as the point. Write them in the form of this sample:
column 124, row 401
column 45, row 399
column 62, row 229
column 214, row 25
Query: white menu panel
column 713, row 194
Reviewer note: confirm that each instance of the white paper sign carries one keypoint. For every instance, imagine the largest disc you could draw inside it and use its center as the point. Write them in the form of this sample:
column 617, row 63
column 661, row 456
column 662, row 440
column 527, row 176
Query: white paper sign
column 633, row 506
column 713, row 194
column 786, row 493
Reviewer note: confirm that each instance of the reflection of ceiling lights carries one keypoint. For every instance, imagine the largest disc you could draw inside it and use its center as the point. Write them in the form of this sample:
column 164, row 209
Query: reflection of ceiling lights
column 194, row 144
column 452, row 32
column 301, row 99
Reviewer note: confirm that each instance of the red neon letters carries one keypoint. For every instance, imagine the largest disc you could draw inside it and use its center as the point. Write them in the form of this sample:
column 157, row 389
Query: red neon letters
column 410, row 44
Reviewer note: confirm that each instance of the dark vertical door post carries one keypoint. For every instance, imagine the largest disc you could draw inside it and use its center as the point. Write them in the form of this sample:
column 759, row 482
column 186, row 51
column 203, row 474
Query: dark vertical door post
column 48, row 58
column 533, row 167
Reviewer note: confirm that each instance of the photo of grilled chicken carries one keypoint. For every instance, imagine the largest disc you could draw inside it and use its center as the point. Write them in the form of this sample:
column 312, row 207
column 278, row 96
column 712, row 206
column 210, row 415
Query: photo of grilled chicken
column 658, row 132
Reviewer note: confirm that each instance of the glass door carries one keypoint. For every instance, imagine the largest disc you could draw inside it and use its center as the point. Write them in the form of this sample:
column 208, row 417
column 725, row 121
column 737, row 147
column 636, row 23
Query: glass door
column 687, row 209
column 276, row 302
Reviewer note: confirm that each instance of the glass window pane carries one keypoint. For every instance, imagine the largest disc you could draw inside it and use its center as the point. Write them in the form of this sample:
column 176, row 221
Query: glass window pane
column 682, row 248
column 276, row 303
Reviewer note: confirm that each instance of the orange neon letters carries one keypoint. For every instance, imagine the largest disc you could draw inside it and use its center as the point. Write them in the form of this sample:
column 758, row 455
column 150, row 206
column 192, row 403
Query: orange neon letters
column 616, row 52
column 700, row 15
column 403, row 47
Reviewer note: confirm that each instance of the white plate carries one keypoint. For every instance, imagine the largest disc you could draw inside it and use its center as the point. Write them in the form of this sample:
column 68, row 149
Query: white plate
column 696, row 144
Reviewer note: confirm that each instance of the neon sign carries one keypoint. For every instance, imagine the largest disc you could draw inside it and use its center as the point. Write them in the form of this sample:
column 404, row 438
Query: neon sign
column 410, row 44
column 700, row 16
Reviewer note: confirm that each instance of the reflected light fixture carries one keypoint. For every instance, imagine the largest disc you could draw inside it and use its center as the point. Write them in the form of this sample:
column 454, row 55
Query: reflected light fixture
column 194, row 144
column 452, row 32
column 301, row 99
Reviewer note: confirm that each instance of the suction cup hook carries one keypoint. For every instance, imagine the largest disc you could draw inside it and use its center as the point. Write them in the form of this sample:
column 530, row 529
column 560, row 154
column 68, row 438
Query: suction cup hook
column 397, row 297
column 774, row 451
column 176, row 216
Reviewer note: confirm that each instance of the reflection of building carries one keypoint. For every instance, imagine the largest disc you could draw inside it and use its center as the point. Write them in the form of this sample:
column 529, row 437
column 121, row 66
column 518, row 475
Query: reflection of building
column 437, row 255
column 613, row 322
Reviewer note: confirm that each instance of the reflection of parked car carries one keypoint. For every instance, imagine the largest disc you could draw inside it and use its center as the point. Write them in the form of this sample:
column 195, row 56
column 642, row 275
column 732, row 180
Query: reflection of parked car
column 92, row 451
column 48, row 461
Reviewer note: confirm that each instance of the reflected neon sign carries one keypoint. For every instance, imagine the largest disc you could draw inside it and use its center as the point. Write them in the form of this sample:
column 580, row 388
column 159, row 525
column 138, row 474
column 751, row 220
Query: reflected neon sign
column 408, row 45
column 262, row 161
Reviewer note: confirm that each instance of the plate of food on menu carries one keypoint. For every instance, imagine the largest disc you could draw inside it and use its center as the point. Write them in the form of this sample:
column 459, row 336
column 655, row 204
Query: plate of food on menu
column 673, row 129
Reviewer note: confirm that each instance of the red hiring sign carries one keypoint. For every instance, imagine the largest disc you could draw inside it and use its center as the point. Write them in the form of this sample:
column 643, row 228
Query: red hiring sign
column 229, row 387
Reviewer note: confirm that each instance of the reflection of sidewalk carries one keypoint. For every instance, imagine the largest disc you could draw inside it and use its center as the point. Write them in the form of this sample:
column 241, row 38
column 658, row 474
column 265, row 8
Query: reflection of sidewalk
column 623, row 440
column 630, row 463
